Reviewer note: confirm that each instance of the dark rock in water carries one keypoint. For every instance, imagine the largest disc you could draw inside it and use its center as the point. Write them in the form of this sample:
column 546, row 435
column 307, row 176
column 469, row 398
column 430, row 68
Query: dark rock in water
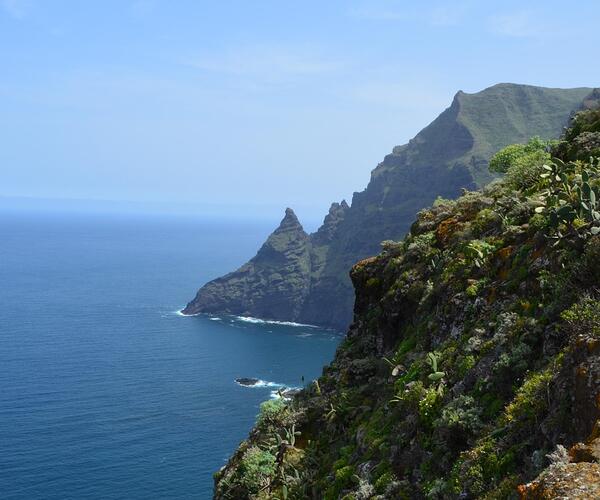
column 249, row 382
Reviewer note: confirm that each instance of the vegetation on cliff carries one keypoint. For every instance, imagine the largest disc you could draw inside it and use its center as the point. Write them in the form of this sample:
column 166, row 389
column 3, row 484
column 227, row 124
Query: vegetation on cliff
column 473, row 362
column 449, row 154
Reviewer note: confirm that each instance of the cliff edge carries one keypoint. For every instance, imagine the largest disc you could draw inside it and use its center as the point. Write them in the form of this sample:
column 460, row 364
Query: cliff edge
column 472, row 366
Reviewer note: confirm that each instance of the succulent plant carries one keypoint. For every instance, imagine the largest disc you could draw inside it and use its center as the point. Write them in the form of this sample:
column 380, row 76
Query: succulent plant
column 436, row 375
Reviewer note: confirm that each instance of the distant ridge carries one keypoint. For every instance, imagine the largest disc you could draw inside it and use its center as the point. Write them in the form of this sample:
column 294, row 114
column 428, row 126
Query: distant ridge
column 304, row 278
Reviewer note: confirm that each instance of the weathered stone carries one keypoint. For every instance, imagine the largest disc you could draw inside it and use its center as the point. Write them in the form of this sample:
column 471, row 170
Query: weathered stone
column 273, row 285
column 579, row 481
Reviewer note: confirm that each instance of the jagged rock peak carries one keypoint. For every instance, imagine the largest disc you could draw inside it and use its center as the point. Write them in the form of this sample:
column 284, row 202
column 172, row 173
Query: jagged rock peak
column 336, row 214
column 290, row 220
column 337, row 207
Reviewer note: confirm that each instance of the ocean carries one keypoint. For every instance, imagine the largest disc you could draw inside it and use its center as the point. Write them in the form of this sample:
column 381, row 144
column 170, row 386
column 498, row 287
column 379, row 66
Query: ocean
column 106, row 391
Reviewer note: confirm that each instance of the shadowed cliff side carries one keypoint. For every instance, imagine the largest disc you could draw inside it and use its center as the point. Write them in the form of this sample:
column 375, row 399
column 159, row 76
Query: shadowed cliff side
column 272, row 285
column 450, row 154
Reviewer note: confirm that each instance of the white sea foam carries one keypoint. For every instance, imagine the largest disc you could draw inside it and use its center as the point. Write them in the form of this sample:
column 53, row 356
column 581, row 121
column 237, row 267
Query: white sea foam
column 250, row 319
column 264, row 383
column 181, row 313
column 277, row 390
column 281, row 394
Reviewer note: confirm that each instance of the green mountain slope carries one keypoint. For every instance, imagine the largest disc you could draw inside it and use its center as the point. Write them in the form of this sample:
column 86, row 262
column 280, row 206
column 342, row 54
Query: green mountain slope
column 473, row 361
column 450, row 154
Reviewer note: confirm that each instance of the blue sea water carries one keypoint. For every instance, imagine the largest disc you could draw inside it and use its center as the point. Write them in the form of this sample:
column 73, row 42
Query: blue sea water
column 105, row 391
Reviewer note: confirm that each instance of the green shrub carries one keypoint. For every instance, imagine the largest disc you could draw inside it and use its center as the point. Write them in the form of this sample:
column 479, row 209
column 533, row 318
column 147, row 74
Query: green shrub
column 487, row 221
column 436, row 489
column 257, row 467
column 429, row 405
column 340, row 463
column 512, row 364
column 583, row 318
column 477, row 252
column 421, row 247
column 443, row 202
column 478, row 470
column 384, row 480
column 343, row 474
column 570, row 197
column 344, row 479
column 475, row 288
column 522, row 163
column 460, row 416
column 373, row 282
column 531, row 398
column 271, row 412
column 506, row 158
column 465, row 363
column 525, row 172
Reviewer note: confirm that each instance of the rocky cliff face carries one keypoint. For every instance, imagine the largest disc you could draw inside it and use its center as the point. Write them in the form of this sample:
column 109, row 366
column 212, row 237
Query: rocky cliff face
column 274, row 284
column 450, row 154
column 277, row 282
column 472, row 366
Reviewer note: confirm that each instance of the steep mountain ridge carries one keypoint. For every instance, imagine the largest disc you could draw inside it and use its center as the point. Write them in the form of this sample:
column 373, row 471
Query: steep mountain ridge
column 448, row 155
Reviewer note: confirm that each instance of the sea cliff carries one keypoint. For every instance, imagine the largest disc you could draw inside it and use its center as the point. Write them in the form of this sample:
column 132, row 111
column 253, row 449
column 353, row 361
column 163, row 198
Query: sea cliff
column 472, row 365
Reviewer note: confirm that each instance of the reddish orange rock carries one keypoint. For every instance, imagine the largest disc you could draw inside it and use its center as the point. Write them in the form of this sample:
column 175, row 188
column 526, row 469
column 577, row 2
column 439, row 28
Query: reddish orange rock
column 446, row 229
column 580, row 481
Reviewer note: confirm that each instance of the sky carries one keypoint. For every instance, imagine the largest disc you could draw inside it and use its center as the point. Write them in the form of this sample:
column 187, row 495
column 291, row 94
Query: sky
column 247, row 107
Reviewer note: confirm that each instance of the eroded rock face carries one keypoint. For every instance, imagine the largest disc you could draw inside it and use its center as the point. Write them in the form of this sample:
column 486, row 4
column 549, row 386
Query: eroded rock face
column 569, row 481
column 578, row 476
column 309, row 282
column 585, row 452
column 272, row 285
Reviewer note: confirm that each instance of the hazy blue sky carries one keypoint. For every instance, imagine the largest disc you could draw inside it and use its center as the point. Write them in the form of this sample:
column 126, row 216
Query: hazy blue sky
column 254, row 104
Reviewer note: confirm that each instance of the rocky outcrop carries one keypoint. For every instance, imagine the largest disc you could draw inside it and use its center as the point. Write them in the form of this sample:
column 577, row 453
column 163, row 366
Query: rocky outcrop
column 273, row 284
column 575, row 476
column 570, row 481
column 277, row 283
column 450, row 154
